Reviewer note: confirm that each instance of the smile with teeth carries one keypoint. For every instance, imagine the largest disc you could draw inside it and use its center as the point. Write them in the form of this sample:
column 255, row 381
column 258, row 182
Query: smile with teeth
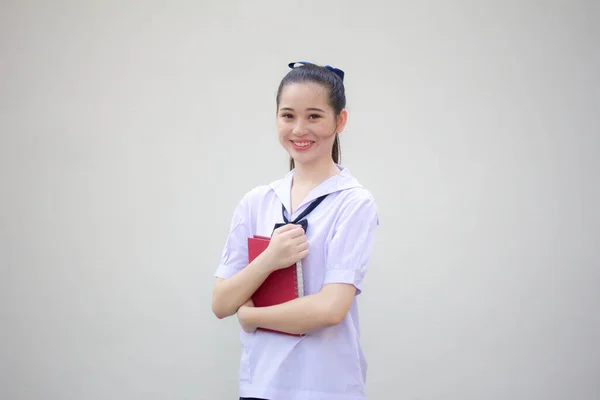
column 304, row 144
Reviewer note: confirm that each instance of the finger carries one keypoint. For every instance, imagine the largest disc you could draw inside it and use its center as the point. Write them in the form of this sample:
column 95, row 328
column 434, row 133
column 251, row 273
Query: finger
column 302, row 246
column 285, row 228
column 302, row 254
column 295, row 241
column 295, row 232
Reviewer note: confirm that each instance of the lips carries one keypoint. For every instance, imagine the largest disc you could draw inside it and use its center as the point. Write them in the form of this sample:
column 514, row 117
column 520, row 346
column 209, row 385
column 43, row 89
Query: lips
column 302, row 145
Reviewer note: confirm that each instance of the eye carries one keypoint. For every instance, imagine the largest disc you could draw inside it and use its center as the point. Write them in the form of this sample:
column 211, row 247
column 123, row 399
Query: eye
column 287, row 115
column 314, row 116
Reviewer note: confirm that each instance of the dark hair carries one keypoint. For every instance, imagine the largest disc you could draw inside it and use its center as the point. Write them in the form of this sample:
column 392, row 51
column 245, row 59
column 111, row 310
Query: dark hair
column 330, row 80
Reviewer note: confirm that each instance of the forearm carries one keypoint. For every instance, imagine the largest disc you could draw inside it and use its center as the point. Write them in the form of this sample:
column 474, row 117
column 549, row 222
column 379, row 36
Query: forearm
column 231, row 293
column 299, row 316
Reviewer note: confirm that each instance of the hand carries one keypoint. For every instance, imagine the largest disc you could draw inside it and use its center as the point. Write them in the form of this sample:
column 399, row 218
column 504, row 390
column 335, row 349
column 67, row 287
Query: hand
column 242, row 317
column 288, row 245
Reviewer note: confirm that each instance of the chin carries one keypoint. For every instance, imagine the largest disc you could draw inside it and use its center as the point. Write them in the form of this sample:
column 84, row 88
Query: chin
column 306, row 159
column 303, row 161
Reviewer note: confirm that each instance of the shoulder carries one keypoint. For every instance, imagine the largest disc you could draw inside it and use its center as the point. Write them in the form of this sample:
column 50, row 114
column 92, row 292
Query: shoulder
column 268, row 189
column 359, row 195
column 353, row 199
column 358, row 200
column 256, row 195
column 354, row 193
column 354, row 220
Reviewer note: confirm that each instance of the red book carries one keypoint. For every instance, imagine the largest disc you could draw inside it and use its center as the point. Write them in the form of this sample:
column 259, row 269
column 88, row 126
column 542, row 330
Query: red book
column 280, row 286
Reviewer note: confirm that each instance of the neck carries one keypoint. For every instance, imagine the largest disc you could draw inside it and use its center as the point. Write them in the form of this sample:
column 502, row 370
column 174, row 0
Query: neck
column 312, row 175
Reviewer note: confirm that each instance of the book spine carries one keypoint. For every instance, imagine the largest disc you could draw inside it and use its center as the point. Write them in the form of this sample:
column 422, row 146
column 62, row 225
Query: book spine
column 299, row 279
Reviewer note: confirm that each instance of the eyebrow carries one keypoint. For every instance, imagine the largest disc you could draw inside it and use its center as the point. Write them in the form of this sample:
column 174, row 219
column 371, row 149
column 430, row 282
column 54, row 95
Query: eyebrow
column 308, row 109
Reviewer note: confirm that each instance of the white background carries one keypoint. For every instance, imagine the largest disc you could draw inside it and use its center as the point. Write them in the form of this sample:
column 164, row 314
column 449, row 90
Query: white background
column 130, row 130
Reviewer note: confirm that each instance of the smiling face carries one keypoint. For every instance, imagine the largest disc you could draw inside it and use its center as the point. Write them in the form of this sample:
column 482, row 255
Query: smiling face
column 306, row 122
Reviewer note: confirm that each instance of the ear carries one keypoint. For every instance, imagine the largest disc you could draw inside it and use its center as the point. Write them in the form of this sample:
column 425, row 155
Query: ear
column 341, row 121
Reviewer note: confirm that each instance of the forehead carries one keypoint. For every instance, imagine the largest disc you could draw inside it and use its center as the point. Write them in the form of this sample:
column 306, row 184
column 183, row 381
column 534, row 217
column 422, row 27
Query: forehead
column 304, row 95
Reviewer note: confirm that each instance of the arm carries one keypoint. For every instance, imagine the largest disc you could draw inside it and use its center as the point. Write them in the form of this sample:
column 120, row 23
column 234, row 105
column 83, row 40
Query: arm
column 345, row 266
column 229, row 294
column 287, row 245
column 305, row 314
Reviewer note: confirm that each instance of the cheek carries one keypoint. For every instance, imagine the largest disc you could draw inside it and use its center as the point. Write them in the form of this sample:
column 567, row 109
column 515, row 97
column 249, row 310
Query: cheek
column 282, row 126
column 281, row 131
column 325, row 131
column 282, row 134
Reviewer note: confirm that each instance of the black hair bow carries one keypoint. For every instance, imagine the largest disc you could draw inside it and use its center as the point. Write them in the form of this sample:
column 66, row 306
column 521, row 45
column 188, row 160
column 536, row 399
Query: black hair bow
column 336, row 71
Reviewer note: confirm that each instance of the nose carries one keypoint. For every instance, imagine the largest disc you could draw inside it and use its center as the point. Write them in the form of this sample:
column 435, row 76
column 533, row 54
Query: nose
column 299, row 129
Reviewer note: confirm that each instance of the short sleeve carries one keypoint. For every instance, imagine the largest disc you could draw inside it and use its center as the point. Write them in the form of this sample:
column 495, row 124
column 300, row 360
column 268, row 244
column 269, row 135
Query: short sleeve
column 234, row 256
column 349, row 250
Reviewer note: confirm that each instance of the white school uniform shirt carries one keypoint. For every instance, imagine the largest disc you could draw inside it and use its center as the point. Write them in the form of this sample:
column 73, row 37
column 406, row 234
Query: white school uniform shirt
column 328, row 364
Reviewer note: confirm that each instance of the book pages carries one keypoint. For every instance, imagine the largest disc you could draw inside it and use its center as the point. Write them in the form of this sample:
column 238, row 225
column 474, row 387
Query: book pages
column 300, row 279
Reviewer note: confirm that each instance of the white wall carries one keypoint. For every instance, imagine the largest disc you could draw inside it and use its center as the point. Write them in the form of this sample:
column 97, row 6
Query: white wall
column 474, row 124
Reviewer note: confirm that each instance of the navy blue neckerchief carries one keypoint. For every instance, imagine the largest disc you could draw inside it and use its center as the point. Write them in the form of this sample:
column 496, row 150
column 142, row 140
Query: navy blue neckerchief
column 300, row 220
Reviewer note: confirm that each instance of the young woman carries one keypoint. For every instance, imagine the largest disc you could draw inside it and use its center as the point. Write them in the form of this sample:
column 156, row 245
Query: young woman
column 327, row 362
